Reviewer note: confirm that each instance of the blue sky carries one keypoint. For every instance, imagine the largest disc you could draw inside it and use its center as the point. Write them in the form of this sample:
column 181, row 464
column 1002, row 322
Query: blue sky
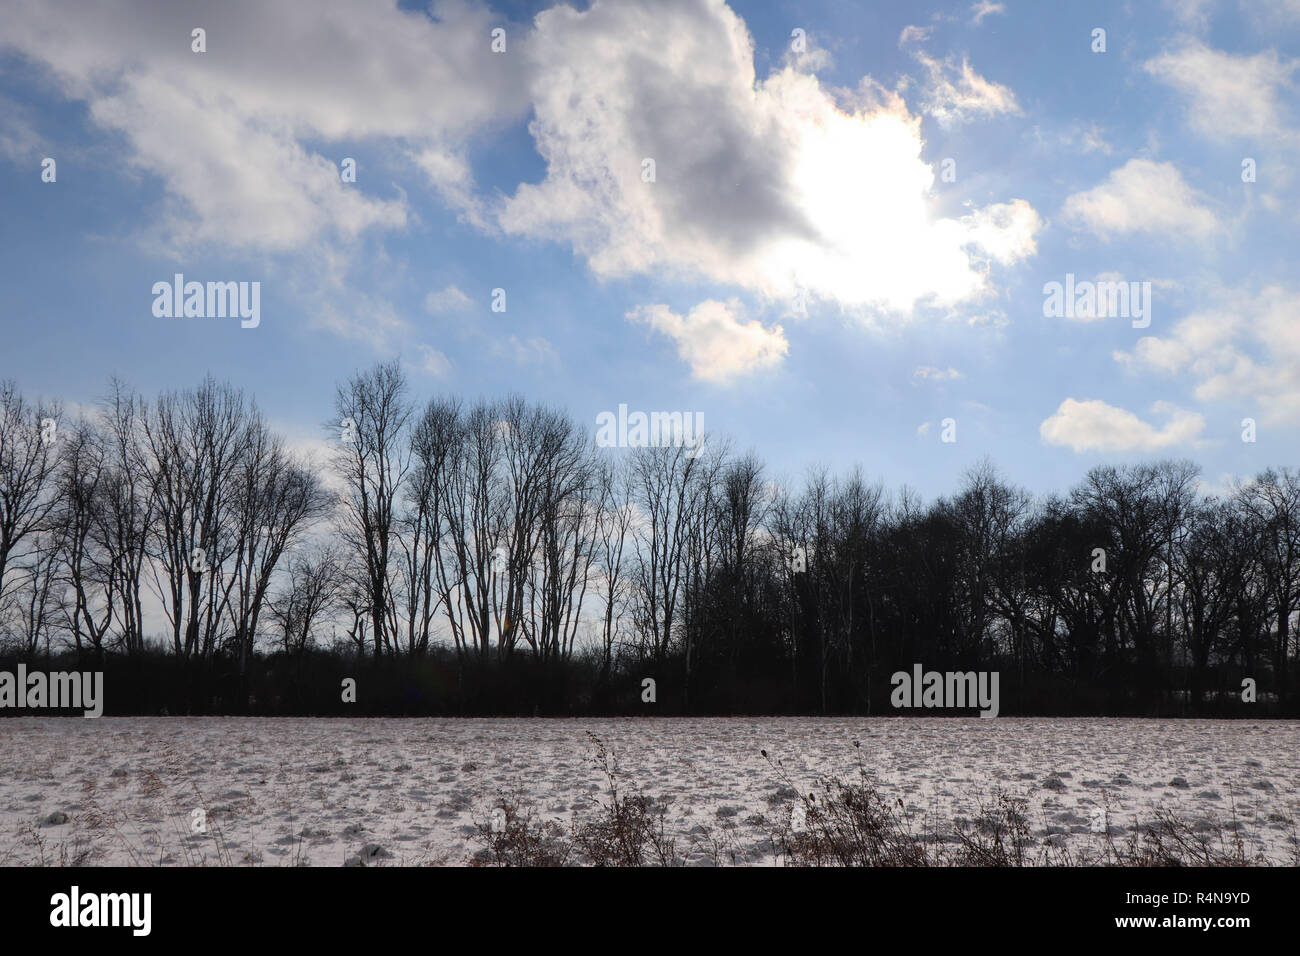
column 788, row 168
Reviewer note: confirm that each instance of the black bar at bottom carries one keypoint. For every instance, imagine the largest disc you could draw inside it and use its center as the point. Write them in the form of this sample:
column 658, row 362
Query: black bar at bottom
column 365, row 906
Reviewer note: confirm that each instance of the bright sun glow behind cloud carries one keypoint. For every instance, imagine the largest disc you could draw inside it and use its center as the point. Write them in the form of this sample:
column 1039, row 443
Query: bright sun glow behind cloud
column 771, row 186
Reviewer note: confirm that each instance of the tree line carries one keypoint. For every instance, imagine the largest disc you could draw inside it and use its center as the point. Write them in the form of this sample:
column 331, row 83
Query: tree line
column 486, row 556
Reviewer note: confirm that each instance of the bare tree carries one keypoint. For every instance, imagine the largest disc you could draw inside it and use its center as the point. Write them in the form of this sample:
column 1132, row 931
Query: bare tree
column 88, row 567
column 373, row 458
column 40, row 601
column 528, row 438
column 278, row 499
column 475, row 506
column 707, row 517
column 314, row 588
column 987, row 514
column 1272, row 501
column 27, row 464
column 663, row 478
column 1211, row 562
column 567, row 506
column 423, row 523
column 127, row 510
column 613, row 523
column 193, row 445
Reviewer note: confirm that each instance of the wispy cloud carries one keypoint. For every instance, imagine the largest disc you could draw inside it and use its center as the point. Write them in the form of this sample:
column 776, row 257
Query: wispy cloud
column 715, row 341
column 1142, row 196
column 447, row 301
column 1245, row 348
column 1094, row 425
column 233, row 133
column 929, row 373
column 1231, row 95
column 985, row 8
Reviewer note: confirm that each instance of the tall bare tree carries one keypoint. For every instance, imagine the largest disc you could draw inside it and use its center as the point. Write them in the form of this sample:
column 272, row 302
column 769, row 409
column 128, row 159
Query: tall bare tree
column 28, row 434
column 127, row 509
column 193, row 444
column 277, row 500
column 663, row 485
column 1272, row 501
column 373, row 458
column 314, row 586
column 89, row 570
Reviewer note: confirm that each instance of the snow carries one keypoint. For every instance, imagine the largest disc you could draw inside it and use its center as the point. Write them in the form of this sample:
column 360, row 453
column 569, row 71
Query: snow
column 321, row 791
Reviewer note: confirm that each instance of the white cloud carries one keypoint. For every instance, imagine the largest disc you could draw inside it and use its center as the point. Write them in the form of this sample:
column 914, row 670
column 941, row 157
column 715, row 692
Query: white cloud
column 1270, row 14
column 309, row 445
column 1226, row 485
column 1093, row 425
column 913, row 34
column 233, row 181
column 1194, row 14
column 1077, row 137
column 355, row 315
column 432, row 362
column 957, row 94
column 812, row 58
column 447, row 301
column 984, row 8
column 767, row 185
column 531, row 352
column 19, row 140
column 1229, row 95
column 995, row 319
column 715, row 341
column 247, row 137
column 1245, row 348
column 1142, row 196
column 1093, row 140
column 928, row 373
column 450, row 176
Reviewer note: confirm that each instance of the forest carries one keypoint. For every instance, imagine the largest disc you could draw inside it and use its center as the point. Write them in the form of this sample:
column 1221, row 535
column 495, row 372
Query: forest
column 487, row 557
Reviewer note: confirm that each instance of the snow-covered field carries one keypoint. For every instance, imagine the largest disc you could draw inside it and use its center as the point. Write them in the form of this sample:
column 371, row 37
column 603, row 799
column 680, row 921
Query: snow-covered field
column 318, row 791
